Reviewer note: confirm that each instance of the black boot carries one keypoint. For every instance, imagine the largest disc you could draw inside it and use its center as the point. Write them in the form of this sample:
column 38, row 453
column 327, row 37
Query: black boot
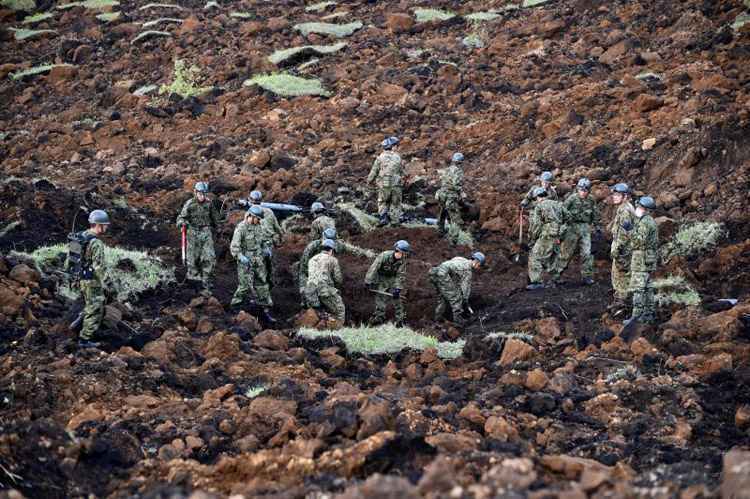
column 383, row 219
column 267, row 317
column 76, row 325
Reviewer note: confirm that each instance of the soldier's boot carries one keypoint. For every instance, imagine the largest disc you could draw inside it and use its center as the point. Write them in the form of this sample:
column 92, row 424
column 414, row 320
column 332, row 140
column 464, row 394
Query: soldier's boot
column 267, row 317
column 84, row 344
column 458, row 317
column 400, row 324
column 439, row 311
column 77, row 323
column 588, row 281
column 383, row 219
column 617, row 307
column 535, row 285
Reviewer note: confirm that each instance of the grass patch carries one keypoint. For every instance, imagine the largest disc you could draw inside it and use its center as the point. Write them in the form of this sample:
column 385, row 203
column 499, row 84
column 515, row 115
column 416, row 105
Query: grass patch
column 740, row 21
column 518, row 335
column 185, row 82
column 254, row 391
column 12, row 225
column 109, row 17
column 160, row 6
column 533, row 3
column 149, row 34
column 675, row 290
column 337, row 30
column 36, row 18
column 23, row 34
column 386, row 339
column 311, row 62
column 35, row 71
column 24, row 5
column 287, row 85
column 90, row 4
column 161, row 20
column 482, row 16
column 211, row 5
column 283, row 55
column 145, row 90
column 427, row 15
column 692, row 240
column 242, row 15
column 473, row 41
column 317, row 7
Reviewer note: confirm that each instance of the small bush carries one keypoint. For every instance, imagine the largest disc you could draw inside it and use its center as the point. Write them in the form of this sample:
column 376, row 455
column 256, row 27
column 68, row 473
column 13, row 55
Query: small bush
column 740, row 21
column 282, row 55
column 23, row 34
column 35, row 71
column 692, row 240
column 533, row 3
column 90, row 4
column 185, row 82
column 36, row 18
column 109, row 17
column 254, row 391
column 386, row 339
column 317, row 7
column 427, row 15
column 518, row 335
column 242, row 15
column 337, row 30
column 482, row 16
column 287, row 85
column 24, row 5
column 675, row 290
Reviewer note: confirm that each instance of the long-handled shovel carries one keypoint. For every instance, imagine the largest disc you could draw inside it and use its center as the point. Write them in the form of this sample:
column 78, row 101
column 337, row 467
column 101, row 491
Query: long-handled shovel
column 184, row 244
column 520, row 235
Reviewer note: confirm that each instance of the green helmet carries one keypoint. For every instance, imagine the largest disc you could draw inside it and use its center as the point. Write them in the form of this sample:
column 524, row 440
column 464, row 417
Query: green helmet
column 99, row 217
column 255, row 211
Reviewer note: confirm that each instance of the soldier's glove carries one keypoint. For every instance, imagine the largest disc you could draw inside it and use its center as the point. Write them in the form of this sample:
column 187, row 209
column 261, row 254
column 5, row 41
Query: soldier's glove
column 627, row 226
column 396, row 293
column 369, row 286
column 268, row 252
column 244, row 260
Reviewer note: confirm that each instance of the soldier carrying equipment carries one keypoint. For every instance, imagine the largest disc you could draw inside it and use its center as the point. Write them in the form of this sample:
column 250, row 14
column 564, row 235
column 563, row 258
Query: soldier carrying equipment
column 272, row 232
column 199, row 219
column 545, row 182
column 387, row 171
column 620, row 251
column 321, row 222
column 452, row 280
column 644, row 245
column 386, row 277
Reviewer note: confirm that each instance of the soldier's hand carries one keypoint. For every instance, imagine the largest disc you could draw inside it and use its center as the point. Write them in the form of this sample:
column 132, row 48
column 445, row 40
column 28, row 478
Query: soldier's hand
column 558, row 242
column 627, row 226
column 244, row 260
column 268, row 252
column 396, row 292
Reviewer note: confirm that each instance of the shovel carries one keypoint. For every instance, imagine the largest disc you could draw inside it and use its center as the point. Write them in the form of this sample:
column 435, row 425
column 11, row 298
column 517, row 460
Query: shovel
column 517, row 257
column 184, row 245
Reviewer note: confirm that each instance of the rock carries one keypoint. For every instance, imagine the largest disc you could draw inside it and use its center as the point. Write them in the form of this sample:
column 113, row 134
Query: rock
column 331, row 358
column 473, row 414
column 453, row 442
column 62, row 73
column 259, row 159
column 12, row 297
column 602, row 406
column 24, row 274
column 438, row 476
column 428, row 356
column 271, row 340
column 572, row 467
column 742, row 416
column 536, row 380
column 268, row 408
column 399, row 23
column 90, row 413
column 646, row 103
column 515, row 350
column 614, row 52
column 309, row 318
column 141, row 401
column 187, row 318
column 194, row 443
column 277, row 23
column 561, row 383
column 648, row 144
column 248, row 322
column 375, row 415
column 205, row 326
column 222, row 346
column 549, row 328
column 500, row 429
column 515, row 474
column 392, row 91
column 380, row 486
column 735, row 483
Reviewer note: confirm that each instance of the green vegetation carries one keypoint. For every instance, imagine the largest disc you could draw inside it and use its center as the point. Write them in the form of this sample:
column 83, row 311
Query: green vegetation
column 242, row 15
column 145, row 89
column 386, row 339
column 211, row 5
column 305, row 65
column 692, row 240
column 482, row 16
column 473, row 41
column 366, row 221
column 23, row 34
column 24, row 5
column 41, row 16
column 337, row 30
column 8, row 228
column 674, row 289
column 90, row 4
column 164, row 20
column 533, row 3
column 149, row 34
column 317, row 7
column 518, row 335
column 282, row 55
column 35, row 71
column 287, row 85
column 109, row 17
column 160, row 6
column 254, row 391
column 427, row 15
column 740, row 21
column 185, row 82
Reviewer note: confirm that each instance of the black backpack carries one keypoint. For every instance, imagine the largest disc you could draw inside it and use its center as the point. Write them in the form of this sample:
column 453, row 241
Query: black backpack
column 77, row 266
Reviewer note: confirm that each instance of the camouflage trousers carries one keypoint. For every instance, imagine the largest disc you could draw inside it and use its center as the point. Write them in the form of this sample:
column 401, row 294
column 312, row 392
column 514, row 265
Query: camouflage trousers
column 620, row 276
column 93, row 309
column 643, row 296
column 449, row 295
column 389, row 201
column 327, row 297
column 381, row 301
column 543, row 257
column 252, row 280
column 200, row 256
column 577, row 236
column 450, row 209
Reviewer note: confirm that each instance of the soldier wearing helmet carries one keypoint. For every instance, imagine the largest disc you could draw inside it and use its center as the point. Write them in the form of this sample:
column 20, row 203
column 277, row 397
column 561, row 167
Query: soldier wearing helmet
column 449, row 197
column 644, row 246
column 620, row 251
column 387, row 172
column 545, row 182
column 201, row 218
column 546, row 225
column 324, row 279
column 387, row 274
column 321, row 222
column 582, row 216
column 452, row 280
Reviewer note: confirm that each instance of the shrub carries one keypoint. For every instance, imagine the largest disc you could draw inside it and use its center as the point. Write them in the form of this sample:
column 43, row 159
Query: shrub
column 109, row 17
column 241, row 15
column 90, row 4
column 185, row 82
column 24, row 5
column 482, row 16
column 160, row 6
column 692, row 240
column 675, row 290
column 533, row 3
column 254, row 391
column 41, row 16
column 386, row 339
column 282, row 55
column 427, row 15
column 287, row 85
column 519, row 335
column 23, row 34
column 337, row 30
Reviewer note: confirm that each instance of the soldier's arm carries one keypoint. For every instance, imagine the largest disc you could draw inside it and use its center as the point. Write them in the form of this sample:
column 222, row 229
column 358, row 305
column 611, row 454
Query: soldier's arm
column 338, row 277
column 595, row 214
column 184, row 217
column 466, row 284
column 374, row 171
column 98, row 262
column 355, row 250
column 527, row 198
column 215, row 216
column 373, row 270
column 278, row 231
column 235, row 248
column 401, row 276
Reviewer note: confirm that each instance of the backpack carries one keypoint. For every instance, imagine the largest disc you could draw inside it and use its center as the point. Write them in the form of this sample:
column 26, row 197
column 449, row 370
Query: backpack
column 77, row 266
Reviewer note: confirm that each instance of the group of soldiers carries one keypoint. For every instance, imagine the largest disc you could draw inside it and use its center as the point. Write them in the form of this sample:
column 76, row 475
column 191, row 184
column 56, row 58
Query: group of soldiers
column 559, row 229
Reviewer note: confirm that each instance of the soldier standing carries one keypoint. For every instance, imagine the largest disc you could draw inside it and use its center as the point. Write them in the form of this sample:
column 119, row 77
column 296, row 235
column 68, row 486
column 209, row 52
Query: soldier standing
column 546, row 227
column 201, row 218
column 387, row 275
column 321, row 222
column 582, row 216
column 452, row 280
column 644, row 245
column 388, row 170
column 248, row 248
column 620, row 251
column 272, row 232
column 545, row 182
column 450, row 194
column 324, row 279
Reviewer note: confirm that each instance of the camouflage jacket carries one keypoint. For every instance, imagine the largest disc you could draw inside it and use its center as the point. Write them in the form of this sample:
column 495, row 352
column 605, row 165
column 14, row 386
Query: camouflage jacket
column 385, row 266
column 324, row 271
column 459, row 269
column 620, row 237
column 547, row 219
column 248, row 240
column 197, row 215
column 644, row 244
column 271, row 228
column 529, row 197
column 316, row 246
column 94, row 259
column 451, row 182
column 320, row 224
column 387, row 170
column 580, row 210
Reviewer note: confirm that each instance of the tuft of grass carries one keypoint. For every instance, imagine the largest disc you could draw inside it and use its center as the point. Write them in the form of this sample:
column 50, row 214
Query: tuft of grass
column 185, row 82
column 242, row 15
column 145, row 89
column 36, row 18
column 308, row 64
column 427, row 15
column 282, row 55
column 692, row 240
column 211, row 5
column 35, row 71
column 518, row 335
column 12, row 225
column 254, row 391
column 741, row 21
column 473, row 41
column 287, row 85
column 337, row 30
column 90, row 4
column 161, row 20
column 317, row 7
column 533, row 3
column 24, row 5
column 386, row 339
column 675, row 290
column 23, row 34
column 160, row 6
column 109, row 17
column 482, row 16
column 149, row 34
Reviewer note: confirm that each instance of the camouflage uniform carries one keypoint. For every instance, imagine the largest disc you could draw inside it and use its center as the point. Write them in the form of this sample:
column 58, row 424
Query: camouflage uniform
column 249, row 240
column 388, row 170
column 321, row 290
column 272, row 235
column 546, row 227
column 582, row 215
column 315, row 247
column 620, row 250
column 320, row 224
column 529, row 197
column 644, row 244
column 385, row 274
column 452, row 279
column 449, row 196
column 92, row 289
column 201, row 219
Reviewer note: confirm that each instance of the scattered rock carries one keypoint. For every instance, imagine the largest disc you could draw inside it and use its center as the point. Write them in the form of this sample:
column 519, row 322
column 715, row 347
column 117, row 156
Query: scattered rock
column 515, row 350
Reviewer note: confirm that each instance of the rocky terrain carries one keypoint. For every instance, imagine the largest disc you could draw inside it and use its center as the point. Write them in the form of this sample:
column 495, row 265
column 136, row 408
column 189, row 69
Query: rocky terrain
column 545, row 398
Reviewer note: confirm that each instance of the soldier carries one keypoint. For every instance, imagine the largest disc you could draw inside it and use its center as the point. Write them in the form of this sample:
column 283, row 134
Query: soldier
column 644, row 245
column 546, row 227
column 452, row 280
column 582, row 216
column 248, row 248
column 545, row 182
column 387, row 275
column 272, row 232
column 321, row 222
column 324, row 277
column 315, row 247
column 387, row 170
column 94, row 281
column 201, row 219
column 620, row 249
column 450, row 194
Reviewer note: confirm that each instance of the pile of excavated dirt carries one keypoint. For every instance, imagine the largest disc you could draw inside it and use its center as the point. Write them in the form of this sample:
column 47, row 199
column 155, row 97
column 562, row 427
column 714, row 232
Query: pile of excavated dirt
column 547, row 400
